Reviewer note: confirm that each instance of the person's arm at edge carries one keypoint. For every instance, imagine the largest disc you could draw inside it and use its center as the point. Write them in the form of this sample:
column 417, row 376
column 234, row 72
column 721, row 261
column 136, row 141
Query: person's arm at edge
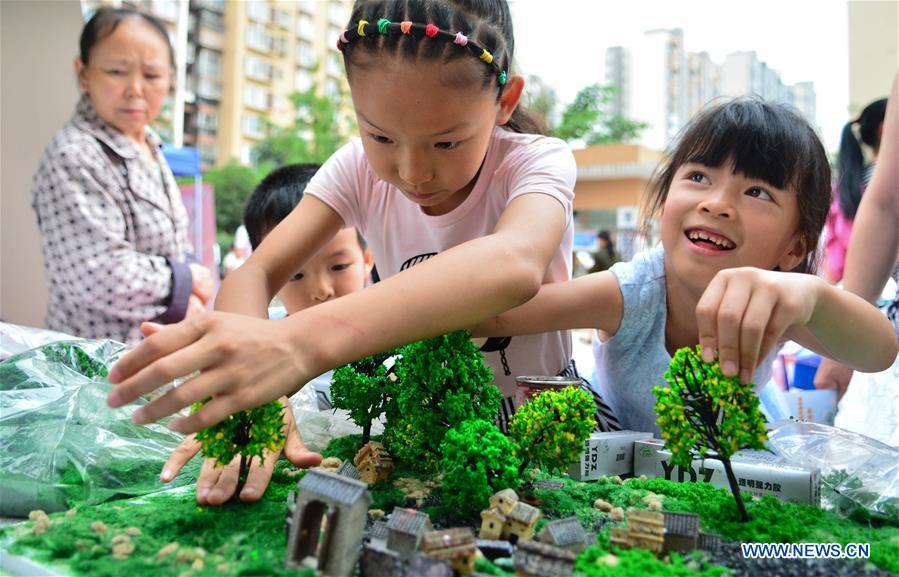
column 867, row 344
column 874, row 242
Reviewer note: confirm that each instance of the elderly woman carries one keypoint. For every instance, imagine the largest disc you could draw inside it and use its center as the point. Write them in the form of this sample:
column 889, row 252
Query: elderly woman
column 113, row 225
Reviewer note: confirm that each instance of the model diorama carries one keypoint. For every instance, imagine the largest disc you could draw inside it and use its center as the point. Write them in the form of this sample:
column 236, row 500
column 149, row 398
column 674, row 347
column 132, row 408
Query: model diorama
column 443, row 492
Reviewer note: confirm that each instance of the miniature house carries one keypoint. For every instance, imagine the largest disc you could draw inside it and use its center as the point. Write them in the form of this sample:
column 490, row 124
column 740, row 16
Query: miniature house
column 455, row 545
column 405, row 529
column 663, row 533
column 373, row 462
column 508, row 518
column 492, row 523
column 328, row 519
column 566, row 533
column 535, row 559
column 347, row 469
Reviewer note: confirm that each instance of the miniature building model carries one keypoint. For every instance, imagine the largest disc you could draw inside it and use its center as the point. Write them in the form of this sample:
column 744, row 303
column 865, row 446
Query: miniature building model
column 535, row 559
column 347, row 469
column 663, row 533
column 373, row 462
column 566, row 533
column 405, row 529
column 455, row 545
column 328, row 519
column 508, row 518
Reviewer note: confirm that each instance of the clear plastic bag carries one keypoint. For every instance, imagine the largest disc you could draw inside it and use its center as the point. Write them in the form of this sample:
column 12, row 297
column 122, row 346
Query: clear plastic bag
column 859, row 475
column 60, row 444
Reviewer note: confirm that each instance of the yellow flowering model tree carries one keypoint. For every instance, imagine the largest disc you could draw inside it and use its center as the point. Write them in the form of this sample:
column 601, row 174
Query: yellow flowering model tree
column 704, row 414
column 551, row 428
column 247, row 433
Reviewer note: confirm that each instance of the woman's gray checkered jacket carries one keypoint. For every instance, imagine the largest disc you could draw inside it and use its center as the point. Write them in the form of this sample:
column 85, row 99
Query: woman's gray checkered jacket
column 114, row 232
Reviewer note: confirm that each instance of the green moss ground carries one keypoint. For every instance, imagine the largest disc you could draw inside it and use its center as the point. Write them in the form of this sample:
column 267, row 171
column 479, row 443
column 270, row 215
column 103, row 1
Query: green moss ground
column 249, row 539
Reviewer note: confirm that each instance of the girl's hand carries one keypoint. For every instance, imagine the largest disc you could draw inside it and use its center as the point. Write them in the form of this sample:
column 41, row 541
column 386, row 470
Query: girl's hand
column 744, row 312
column 216, row 485
column 243, row 362
column 195, row 306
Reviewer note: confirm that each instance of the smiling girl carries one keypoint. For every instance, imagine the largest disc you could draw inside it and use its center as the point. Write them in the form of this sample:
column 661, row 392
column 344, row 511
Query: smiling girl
column 741, row 202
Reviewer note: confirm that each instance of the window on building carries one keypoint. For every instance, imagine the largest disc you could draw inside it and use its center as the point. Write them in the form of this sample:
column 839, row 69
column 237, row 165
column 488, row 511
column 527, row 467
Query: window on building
column 332, row 89
column 210, row 64
column 305, row 54
column 257, row 39
column 209, row 89
column 258, row 11
column 337, row 12
column 214, row 21
column 257, row 68
column 335, row 64
column 255, row 97
column 306, row 27
column 208, row 153
column 207, row 122
column 302, row 81
column 282, row 18
column 252, row 126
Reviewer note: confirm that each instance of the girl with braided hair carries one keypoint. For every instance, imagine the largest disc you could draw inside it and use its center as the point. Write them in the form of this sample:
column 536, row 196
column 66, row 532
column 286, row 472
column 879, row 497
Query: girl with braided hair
column 466, row 207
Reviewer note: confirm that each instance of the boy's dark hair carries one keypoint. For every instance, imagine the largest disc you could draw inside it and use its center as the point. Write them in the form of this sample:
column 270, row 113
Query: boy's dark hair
column 273, row 199
column 487, row 22
column 104, row 22
column 764, row 140
column 851, row 160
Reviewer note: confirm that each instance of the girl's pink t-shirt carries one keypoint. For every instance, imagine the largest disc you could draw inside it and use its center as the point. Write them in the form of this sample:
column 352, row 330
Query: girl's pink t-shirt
column 401, row 235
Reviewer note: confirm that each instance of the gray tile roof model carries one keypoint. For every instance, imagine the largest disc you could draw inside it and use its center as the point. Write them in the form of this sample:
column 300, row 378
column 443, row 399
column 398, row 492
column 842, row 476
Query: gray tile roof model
column 564, row 532
column 681, row 523
column 348, row 469
column 544, row 550
column 408, row 521
column 340, row 489
column 524, row 513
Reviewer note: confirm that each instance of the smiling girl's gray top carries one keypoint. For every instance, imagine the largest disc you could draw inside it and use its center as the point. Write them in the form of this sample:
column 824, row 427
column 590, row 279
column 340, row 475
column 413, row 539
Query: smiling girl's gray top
column 634, row 361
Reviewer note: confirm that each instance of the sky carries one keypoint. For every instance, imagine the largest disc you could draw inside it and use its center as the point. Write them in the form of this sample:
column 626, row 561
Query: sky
column 564, row 42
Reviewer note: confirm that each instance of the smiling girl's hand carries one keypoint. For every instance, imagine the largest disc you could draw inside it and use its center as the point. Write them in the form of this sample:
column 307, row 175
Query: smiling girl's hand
column 744, row 312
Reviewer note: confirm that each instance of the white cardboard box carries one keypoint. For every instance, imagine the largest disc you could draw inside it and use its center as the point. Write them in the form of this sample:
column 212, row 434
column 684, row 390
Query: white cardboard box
column 606, row 454
column 757, row 473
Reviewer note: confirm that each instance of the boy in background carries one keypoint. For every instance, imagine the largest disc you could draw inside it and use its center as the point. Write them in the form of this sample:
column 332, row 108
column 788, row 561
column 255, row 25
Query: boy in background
column 339, row 268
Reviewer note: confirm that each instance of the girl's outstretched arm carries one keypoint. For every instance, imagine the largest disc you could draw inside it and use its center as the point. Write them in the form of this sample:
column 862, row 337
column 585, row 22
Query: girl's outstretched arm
column 244, row 362
column 745, row 312
column 593, row 301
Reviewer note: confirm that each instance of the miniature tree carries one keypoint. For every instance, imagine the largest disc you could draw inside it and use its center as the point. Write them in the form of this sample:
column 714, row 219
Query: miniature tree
column 443, row 382
column 478, row 461
column 247, row 433
column 363, row 389
column 551, row 428
column 706, row 414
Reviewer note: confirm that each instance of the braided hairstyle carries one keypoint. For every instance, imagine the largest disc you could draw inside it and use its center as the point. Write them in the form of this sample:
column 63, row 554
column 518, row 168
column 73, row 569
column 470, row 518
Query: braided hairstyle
column 487, row 22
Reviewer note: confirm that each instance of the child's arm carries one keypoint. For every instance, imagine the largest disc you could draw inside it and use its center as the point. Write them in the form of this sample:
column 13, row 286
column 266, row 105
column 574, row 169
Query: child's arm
column 744, row 313
column 245, row 362
column 590, row 301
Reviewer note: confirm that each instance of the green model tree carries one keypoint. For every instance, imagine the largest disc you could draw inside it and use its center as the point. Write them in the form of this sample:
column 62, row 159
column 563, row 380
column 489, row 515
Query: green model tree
column 247, row 433
column 363, row 388
column 551, row 428
column 443, row 382
column 706, row 414
column 478, row 460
